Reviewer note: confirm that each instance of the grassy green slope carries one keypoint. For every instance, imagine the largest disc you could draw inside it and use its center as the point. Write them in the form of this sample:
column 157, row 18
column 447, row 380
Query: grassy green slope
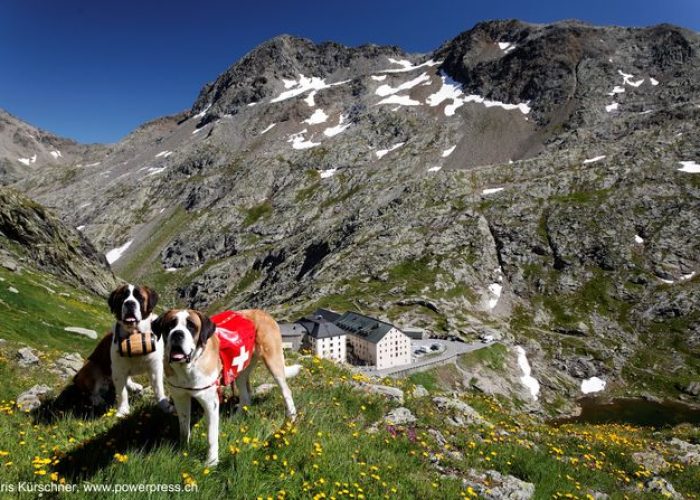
column 43, row 306
column 329, row 452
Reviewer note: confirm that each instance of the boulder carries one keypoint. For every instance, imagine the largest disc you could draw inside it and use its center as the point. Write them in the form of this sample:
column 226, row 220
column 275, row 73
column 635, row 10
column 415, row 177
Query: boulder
column 85, row 332
column 32, row 398
column 459, row 412
column 9, row 264
column 496, row 486
column 26, row 357
column 692, row 388
column 420, row 392
column 400, row 416
column 651, row 460
column 662, row 487
column 439, row 438
column 391, row 393
column 689, row 453
column 68, row 365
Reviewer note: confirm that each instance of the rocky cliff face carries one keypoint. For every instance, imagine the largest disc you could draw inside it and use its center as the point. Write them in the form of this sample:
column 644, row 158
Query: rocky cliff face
column 30, row 234
column 523, row 178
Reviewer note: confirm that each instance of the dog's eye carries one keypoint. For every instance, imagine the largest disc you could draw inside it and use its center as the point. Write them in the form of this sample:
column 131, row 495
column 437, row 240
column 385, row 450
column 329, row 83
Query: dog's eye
column 191, row 326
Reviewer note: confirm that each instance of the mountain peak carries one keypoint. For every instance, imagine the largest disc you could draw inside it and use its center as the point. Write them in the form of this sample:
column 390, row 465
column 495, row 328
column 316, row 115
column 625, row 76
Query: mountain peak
column 260, row 72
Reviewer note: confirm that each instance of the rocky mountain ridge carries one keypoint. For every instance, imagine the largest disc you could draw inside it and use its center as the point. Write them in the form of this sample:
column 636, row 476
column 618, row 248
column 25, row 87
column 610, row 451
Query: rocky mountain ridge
column 525, row 179
column 30, row 234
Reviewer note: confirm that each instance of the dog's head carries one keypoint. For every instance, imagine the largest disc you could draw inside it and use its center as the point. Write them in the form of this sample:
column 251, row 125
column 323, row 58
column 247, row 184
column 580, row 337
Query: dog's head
column 184, row 330
column 131, row 304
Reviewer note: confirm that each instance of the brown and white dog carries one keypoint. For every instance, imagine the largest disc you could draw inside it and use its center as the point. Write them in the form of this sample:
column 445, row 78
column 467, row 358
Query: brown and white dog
column 94, row 379
column 132, row 307
column 193, row 367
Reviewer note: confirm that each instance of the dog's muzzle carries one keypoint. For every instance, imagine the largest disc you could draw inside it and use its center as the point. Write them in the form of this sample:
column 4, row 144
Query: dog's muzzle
column 178, row 356
column 129, row 316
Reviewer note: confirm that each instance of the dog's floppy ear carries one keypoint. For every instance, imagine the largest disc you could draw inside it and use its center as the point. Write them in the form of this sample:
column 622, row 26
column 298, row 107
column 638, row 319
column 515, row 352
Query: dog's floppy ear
column 151, row 301
column 207, row 330
column 157, row 326
column 114, row 298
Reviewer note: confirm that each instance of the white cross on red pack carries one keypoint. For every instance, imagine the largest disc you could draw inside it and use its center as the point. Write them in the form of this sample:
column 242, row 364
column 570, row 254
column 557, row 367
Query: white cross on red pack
column 236, row 343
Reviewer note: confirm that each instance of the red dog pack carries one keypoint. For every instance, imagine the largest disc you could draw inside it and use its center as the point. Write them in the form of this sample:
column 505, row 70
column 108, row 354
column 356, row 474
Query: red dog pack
column 236, row 343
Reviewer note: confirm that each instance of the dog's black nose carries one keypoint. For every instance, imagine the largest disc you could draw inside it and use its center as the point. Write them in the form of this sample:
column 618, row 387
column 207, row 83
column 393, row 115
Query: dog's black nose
column 177, row 335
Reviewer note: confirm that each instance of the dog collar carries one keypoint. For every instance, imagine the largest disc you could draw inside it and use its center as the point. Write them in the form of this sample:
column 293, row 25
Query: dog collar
column 120, row 328
column 215, row 382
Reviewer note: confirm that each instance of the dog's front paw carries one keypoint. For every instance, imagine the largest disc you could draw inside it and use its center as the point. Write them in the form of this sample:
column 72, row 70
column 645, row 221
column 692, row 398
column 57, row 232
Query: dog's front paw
column 134, row 387
column 123, row 413
column 167, row 406
column 211, row 462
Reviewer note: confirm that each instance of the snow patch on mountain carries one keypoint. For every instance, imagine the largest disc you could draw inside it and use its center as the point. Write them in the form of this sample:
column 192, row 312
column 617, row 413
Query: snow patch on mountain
column 288, row 84
column 506, row 46
column 627, row 79
column 527, row 379
column 435, row 169
column 690, row 167
column 594, row 159
column 616, row 90
column 495, row 290
column 385, row 90
column 202, row 113
column 27, row 161
column 452, row 90
column 448, row 151
column 56, row 154
column 378, row 78
column 591, row 385
column 155, row 170
column 402, row 100
column 325, row 174
column 302, row 85
column 318, row 116
column 611, row 107
column 299, row 142
column 310, row 99
column 409, row 67
column 333, row 131
column 116, row 253
column 492, row 190
column 268, row 128
column 382, row 152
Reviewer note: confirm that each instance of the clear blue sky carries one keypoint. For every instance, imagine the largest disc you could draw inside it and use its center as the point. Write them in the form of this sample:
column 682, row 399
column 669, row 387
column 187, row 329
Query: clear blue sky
column 93, row 70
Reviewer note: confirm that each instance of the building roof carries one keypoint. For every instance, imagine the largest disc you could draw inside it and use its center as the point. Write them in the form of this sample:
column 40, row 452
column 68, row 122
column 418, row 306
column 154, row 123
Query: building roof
column 292, row 329
column 370, row 329
column 326, row 314
column 320, row 328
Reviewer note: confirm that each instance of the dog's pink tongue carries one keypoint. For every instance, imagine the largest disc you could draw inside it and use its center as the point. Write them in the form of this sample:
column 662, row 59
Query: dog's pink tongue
column 177, row 356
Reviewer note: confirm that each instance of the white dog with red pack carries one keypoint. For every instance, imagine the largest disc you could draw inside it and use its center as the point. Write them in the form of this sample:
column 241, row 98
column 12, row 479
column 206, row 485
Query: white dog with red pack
column 201, row 353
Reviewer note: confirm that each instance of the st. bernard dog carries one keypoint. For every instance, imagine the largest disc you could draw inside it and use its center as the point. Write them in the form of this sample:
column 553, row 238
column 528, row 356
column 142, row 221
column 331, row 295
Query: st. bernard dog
column 94, row 379
column 132, row 307
column 193, row 364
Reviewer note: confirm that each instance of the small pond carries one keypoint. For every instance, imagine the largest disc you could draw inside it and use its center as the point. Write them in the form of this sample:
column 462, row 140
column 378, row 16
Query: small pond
column 634, row 411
